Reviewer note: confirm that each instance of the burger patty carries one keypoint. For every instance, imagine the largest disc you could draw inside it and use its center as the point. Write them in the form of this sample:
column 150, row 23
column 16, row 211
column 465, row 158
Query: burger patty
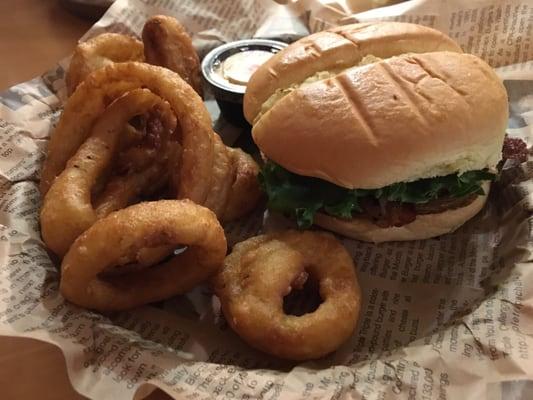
column 445, row 203
column 389, row 213
column 386, row 214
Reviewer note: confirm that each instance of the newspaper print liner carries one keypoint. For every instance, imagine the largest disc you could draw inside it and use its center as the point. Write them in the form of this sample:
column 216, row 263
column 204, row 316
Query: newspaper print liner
column 441, row 318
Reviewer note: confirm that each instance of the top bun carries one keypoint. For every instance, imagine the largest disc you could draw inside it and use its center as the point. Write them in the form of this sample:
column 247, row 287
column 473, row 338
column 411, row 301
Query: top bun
column 336, row 49
column 398, row 120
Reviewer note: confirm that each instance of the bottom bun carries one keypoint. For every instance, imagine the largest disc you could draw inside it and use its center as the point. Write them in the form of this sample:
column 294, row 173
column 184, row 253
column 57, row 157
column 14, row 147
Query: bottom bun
column 425, row 226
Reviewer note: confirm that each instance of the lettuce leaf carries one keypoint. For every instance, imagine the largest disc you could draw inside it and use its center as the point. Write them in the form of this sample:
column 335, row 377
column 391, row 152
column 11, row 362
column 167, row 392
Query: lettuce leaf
column 301, row 196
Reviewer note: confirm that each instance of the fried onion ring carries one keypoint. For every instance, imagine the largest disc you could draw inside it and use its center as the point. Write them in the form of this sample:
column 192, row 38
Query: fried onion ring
column 122, row 235
column 137, row 158
column 99, row 51
column 167, row 44
column 262, row 270
column 106, row 84
column 122, row 191
column 174, row 164
column 130, row 137
column 67, row 209
column 245, row 191
column 152, row 139
column 223, row 175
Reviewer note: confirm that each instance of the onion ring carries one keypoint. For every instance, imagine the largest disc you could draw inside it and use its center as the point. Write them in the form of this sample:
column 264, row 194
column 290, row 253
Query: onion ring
column 245, row 191
column 122, row 191
column 139, row 154
column 136, row 158
column 262, row 270
column 67, row 210
column 121, row 235
column 222, row 178
column 99, row 51
column 174, row 164
column 130, row 137
column 106, row 84
column 167, row 44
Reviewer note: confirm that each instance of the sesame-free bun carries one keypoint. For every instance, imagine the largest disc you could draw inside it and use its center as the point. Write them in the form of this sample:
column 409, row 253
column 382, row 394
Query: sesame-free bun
column 423, row 227
column 401, row 119
column 338, row 48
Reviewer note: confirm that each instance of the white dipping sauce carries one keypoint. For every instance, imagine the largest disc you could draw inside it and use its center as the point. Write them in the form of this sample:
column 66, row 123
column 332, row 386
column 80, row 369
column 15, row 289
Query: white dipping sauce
column 239, row 67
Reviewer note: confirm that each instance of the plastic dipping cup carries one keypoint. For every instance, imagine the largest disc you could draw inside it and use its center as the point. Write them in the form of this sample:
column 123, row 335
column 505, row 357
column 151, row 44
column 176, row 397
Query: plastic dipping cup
column 228, row 68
